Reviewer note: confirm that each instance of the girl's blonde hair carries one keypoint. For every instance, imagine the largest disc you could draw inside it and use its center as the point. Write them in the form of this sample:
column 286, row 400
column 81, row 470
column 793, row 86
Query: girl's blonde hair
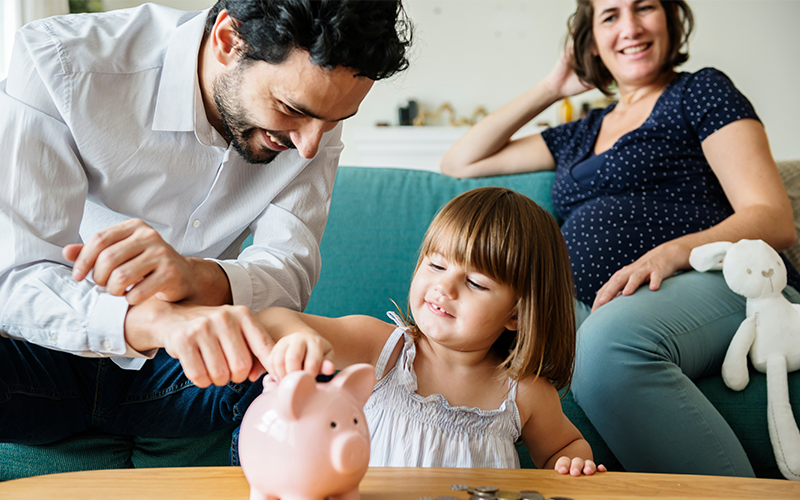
column 506, row 236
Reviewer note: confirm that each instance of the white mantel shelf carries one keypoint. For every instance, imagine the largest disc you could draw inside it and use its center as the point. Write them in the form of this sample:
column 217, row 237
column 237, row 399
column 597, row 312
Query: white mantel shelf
column 411, row 147
column 405, row 147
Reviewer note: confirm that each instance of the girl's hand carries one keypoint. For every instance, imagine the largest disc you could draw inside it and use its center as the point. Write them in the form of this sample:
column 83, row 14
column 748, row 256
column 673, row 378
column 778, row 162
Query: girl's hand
column 577, row 466
column 562, row 79
column 655, row 266
column 301, row 351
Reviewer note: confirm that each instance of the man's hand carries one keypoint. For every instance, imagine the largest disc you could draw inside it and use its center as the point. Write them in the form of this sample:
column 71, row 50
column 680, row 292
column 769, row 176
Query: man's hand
column 131, row 259
column 213, row 344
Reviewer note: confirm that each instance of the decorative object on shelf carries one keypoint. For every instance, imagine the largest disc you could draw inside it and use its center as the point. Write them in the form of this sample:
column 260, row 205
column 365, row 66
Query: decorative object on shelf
column 585, row 106
column 424, row 115
column 78, row 6
column 565, row 111
column 408, row 113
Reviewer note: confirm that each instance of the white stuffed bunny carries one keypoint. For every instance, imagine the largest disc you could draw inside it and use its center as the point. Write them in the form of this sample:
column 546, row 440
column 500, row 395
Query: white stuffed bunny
column 770, row 333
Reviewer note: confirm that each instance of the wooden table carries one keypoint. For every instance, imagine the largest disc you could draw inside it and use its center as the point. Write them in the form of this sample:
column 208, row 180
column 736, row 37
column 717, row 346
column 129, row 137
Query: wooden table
column 228, row 483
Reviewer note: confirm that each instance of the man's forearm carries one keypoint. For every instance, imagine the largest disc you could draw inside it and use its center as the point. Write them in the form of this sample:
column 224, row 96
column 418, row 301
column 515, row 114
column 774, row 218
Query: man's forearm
column 211, row 287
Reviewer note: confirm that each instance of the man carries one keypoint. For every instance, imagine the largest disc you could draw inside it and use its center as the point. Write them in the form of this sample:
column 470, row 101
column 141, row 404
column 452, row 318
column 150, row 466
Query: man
column 160, row 139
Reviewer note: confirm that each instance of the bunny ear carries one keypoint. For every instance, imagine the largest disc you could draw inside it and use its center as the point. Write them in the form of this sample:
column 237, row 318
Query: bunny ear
column 709, row 257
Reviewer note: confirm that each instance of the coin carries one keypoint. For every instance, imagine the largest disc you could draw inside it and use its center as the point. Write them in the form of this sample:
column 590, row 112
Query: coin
column 459, row 487
column 487, row 489
column 513, row 495
column 531, row 495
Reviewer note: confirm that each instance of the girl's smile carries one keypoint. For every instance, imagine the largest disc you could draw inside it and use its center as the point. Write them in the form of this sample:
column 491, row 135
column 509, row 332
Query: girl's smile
column 438, row 310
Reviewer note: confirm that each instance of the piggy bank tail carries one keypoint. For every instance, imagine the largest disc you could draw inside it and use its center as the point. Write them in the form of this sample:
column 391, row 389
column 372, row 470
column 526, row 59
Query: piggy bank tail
column 782, row 426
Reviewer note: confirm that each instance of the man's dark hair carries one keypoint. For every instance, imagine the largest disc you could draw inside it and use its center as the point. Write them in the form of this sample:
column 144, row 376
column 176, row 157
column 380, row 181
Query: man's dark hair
column 590, row 69
column 369, row 37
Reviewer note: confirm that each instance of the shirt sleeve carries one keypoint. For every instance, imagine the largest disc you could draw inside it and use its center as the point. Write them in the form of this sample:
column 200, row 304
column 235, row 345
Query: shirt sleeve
column 283, row 264
column 560, row 140
column 43, row 188
column 570, row 142
column 712, row 101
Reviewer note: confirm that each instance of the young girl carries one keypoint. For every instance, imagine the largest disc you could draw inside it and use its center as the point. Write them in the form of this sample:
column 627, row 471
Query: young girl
column 491, row 341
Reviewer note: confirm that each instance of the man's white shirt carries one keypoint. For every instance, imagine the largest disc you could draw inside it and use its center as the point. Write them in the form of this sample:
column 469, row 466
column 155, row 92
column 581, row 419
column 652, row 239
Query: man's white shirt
column 101, row 120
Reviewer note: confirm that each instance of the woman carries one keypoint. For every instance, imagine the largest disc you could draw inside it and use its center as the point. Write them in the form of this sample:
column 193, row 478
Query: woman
column 681, row 160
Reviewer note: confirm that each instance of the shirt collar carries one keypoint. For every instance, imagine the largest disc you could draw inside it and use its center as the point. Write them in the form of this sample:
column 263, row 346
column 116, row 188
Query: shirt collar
column 178, row 87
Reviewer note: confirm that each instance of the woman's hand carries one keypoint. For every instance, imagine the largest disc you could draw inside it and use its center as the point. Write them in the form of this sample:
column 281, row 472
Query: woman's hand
column 301, row 351
column 577, row 466
column 655, row 266
column 562, row 79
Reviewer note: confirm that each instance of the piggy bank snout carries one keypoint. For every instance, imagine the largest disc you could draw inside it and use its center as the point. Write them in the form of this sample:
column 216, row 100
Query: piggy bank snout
column 349, row 452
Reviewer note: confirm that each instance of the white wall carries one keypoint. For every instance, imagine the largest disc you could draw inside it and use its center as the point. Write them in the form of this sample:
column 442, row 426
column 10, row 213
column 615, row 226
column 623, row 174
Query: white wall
column 485, row 52
column 482, row 52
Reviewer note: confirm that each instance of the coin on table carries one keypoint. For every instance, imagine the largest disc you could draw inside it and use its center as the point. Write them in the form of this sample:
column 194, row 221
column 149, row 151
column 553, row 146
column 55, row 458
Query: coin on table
column 459, row 487
column 481, row 494
column 531, row 495
column 513, row 495
column 487, row 489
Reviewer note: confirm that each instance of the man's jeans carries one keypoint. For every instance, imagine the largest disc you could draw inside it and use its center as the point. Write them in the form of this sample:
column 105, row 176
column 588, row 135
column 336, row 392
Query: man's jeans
column 48, row 395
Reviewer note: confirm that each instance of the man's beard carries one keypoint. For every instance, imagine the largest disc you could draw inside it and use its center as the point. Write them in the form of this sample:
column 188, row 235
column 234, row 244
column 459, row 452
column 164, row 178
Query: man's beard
column 238, row 130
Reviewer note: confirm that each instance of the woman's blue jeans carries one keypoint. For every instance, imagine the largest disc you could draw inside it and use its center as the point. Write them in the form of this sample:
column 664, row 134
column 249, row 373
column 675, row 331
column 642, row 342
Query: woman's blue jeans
column 48, row 395
column 636, row 359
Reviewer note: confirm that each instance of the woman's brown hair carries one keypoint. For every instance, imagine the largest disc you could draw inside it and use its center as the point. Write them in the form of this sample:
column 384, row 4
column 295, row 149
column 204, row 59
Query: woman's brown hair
column 506, row 236
column 590, row 68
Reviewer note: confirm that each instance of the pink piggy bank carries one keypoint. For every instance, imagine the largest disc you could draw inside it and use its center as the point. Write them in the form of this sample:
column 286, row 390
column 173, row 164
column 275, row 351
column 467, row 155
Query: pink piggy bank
column 303, row 440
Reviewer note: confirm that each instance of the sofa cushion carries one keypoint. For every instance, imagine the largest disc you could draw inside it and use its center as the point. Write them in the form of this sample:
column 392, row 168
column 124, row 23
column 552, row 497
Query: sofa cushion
column 377, row 220
column 98, row 450
column 790, row 174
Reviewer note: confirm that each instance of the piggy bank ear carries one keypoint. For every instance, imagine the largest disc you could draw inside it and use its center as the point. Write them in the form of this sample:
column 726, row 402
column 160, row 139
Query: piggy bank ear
column 293, row 392
column 709, row 257
column 358, row 379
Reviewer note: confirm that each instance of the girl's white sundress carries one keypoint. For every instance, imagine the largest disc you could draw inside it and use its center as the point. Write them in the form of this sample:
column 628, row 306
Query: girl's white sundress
column 408, row 430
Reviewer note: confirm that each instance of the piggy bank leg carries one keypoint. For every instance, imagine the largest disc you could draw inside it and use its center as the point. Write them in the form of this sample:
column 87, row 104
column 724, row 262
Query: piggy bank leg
column 257, row 495
column 348, row 495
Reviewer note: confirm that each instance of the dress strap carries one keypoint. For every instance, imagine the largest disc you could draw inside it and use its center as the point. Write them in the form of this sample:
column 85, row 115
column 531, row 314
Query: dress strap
column 512, row 389
column 396, row 319
column 386, row 353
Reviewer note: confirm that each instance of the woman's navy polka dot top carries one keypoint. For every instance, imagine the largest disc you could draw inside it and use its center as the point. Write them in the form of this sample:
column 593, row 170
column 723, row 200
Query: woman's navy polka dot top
column 652, row 186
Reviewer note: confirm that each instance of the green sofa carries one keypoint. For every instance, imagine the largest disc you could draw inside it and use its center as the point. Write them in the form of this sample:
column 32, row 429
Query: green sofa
column 377, row 220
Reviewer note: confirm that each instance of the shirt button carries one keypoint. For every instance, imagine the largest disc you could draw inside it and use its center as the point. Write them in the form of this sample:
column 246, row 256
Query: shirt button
column 53, row 337
column 196, row 223
column 106, row 345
